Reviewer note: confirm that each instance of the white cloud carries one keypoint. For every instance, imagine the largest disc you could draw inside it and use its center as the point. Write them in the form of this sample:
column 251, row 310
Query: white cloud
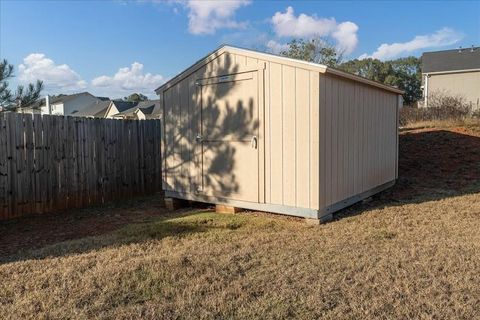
column 276, row 47
column 206, row 16
column 287, row 24
column 128, row 80
column 62, row 79
column 36, row 66
column 440, row 38
column 346, row 36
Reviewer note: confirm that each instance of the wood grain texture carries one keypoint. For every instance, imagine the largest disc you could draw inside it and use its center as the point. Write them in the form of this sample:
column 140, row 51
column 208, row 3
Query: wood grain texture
column 52, row 163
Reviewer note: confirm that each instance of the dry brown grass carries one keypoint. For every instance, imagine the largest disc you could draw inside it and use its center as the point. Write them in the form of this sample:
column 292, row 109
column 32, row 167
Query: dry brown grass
column 472, row 124
column 412, row 252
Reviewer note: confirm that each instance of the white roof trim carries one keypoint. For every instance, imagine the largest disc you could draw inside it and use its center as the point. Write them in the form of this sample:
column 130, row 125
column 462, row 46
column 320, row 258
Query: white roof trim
column 271, row 55
column 310, row 65
column 451, row 71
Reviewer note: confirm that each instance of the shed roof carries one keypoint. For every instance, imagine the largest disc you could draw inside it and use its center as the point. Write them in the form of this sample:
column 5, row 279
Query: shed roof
column 271, row 57
column 451, row 60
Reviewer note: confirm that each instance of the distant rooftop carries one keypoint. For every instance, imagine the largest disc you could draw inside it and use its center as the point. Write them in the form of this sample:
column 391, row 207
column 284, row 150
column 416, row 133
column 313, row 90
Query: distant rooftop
column 62, row 98
column 96, row 109
column 451, row 60
column 150, row 108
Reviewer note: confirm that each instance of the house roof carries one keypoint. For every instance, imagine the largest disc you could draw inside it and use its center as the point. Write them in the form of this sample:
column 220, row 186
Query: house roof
column 271, row 57
column 124, row 105
column 62, row 98
column 451, row 60
column 67, row 97
column 96, row 109
column 150, row 108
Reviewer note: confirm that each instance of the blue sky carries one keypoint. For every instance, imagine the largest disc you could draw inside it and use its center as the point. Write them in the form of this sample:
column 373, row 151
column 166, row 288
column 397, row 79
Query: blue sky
column 117, row 47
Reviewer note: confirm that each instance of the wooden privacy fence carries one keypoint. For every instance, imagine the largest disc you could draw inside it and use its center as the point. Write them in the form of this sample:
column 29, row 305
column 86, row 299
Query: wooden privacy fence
column 50, row 163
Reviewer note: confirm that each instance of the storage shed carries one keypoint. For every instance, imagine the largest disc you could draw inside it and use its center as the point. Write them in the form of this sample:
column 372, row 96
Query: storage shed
column 263, row 132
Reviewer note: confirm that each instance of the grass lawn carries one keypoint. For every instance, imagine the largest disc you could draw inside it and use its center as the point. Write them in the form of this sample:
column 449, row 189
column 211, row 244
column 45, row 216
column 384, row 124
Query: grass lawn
column 411, row 252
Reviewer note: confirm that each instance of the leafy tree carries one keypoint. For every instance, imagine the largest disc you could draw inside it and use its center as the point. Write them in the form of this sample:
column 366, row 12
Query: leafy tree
column 23, row 95
column 136, row 97
column 404, row 73
column 316, row 50
column 408, row 77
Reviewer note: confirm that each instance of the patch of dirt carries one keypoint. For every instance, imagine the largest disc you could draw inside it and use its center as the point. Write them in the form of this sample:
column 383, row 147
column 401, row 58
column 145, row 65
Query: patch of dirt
column 37, row 231
column 438, row 161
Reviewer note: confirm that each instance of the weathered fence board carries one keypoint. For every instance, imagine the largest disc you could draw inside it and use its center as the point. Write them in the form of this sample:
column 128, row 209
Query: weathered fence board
column 50, row 163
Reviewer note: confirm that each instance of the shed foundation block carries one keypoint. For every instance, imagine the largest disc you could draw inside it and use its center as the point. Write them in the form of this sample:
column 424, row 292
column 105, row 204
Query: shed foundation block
column 174, row 204
column 220, row 208
column 318, row 221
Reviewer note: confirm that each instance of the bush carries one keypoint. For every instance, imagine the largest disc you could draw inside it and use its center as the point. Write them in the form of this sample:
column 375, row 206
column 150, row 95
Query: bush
column 476, row 114
column 441, row 107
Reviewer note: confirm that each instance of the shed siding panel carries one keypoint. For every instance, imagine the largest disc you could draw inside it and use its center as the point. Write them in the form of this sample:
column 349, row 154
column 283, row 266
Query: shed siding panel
column 276, row 139
column 183, row 141
column 178, row 137
column 268, row 134
column 292, row 116
column 169, row 125
column 289, row 137
column 302, row 134
column 191, row 170
column 351, row 139
column 240, row 61
column 357, row 134
column 314, row 137
column 326, row 155
column 323, row 140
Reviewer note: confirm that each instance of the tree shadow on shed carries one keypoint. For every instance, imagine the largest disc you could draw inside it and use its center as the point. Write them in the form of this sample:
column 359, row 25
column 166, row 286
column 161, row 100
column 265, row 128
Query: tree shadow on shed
column 195, row 114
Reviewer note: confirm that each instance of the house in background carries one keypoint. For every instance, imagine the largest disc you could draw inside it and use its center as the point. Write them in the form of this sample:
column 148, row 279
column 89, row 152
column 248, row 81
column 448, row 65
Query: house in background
column 119, row 109
column 149, row 109
column 87, row 105
column 98, row 109
column 453, row 72
column 62, row 105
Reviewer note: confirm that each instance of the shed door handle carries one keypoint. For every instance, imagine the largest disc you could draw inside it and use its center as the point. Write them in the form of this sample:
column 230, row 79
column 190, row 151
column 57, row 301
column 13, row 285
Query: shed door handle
column 254, row 142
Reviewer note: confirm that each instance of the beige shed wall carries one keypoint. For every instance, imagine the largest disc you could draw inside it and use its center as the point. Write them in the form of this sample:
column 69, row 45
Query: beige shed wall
column 291, row 126
column 466, row 84
column 358, row 138
column 292, row 135
column 323, row 138
column 182, row 121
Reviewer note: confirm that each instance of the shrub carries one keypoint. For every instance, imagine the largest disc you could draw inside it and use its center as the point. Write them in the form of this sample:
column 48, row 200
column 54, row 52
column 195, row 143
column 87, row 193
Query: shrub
column 476, row 114
column 441, row 107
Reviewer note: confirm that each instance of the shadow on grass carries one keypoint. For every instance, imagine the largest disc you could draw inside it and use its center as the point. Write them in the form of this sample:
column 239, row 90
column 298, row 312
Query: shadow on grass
column 433, row 165
column 176, row 224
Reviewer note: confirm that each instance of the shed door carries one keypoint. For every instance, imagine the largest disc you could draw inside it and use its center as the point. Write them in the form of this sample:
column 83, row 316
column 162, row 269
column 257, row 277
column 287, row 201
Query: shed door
column 229, row 136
